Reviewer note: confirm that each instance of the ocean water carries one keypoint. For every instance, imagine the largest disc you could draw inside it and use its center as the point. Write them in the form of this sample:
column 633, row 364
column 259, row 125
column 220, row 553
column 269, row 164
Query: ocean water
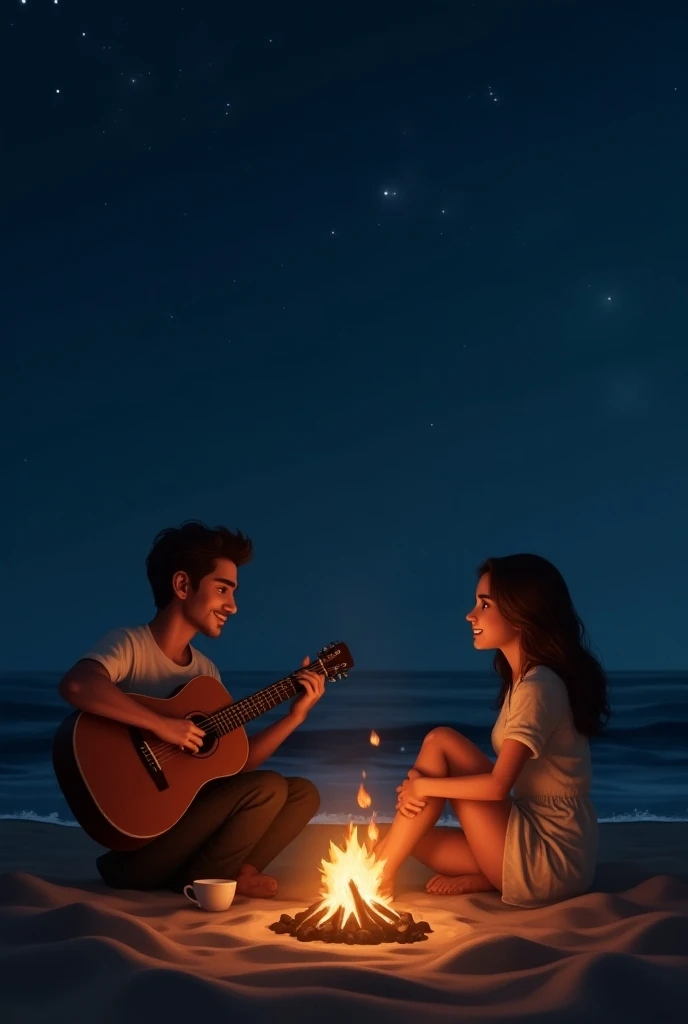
column 639, row 764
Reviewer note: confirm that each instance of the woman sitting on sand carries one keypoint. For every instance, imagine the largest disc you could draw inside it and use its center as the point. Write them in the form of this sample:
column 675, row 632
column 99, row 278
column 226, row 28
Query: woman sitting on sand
column 538, row 846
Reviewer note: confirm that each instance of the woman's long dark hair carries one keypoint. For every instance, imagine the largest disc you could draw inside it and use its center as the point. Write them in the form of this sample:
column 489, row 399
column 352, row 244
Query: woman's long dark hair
column 532, row 596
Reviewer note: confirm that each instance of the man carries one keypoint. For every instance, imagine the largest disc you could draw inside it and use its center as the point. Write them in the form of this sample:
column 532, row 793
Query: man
column 235, row 826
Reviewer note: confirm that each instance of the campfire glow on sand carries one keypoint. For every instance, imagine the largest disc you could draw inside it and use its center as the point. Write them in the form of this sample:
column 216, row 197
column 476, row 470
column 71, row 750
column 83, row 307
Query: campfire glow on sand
column 351, row 908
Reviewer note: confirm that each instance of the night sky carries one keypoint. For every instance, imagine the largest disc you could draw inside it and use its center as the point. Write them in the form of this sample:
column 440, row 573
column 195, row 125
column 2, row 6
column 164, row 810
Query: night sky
column 391, row 287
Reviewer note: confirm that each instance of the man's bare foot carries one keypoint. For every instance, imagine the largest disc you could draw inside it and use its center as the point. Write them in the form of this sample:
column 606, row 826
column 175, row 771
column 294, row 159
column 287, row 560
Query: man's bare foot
column 454, row 885
column 250, row 882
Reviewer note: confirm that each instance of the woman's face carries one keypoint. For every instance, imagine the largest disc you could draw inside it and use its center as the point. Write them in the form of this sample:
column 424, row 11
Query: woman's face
column 490, row 628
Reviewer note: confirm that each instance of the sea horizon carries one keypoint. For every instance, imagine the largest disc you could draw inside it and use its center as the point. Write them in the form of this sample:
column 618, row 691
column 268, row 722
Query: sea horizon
column 639, row 761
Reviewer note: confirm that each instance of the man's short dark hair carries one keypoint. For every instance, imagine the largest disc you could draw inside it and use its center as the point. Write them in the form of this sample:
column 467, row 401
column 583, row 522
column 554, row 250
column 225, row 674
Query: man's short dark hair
column 192, row 548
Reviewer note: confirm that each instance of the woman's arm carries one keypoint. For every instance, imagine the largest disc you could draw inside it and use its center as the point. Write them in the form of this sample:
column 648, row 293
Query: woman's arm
column 465, row 787
column 494, row 785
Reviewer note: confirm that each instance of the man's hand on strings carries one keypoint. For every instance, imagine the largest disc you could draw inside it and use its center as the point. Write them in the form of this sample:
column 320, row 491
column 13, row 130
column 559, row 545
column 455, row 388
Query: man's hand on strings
column 180, row 732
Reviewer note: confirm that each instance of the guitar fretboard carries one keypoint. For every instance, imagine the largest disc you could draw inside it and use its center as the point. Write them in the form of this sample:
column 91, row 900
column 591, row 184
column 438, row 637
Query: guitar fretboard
column 245, row 710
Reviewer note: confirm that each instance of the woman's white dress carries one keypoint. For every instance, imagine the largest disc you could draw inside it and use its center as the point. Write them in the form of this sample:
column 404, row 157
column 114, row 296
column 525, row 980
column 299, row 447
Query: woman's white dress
column 552, row 836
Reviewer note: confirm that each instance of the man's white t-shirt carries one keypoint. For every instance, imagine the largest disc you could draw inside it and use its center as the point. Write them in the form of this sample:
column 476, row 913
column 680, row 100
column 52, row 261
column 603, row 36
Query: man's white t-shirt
column 133, row 660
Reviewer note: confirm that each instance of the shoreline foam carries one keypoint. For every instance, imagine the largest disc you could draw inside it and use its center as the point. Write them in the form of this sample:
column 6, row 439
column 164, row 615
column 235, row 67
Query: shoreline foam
column 323, row 818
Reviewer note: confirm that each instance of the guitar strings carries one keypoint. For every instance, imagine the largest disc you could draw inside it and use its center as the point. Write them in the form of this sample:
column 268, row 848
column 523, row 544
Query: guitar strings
column 166, row 751
column 170, row 750
column 226, row 716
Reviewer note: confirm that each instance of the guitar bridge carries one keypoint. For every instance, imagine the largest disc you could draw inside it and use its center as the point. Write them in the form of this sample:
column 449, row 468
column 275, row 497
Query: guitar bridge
column 148, row 760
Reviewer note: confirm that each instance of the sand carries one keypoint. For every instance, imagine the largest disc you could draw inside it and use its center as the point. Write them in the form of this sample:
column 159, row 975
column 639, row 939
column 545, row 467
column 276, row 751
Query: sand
column 73, row 950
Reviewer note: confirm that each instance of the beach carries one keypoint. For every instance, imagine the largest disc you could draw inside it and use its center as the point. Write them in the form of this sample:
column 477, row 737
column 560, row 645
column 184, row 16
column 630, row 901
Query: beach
column 72, row 949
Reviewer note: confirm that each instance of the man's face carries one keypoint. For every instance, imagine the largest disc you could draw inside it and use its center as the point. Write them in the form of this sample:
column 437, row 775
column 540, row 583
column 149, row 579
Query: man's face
column 209, row 607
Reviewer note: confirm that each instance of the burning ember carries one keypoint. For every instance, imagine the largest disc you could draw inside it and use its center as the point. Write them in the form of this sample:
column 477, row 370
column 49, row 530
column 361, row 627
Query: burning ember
column 352, row 909
column 363, row 798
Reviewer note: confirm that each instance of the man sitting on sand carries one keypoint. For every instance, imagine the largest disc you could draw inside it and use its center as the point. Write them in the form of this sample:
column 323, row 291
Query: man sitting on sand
column 235, row 826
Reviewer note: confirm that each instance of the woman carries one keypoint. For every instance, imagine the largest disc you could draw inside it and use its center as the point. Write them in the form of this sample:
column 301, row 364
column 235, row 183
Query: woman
column 539, row 846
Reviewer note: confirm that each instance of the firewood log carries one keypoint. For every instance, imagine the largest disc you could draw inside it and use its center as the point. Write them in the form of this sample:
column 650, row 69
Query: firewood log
column 350, row 925
column 312, row 919
column 386, row 912
column 368, row 917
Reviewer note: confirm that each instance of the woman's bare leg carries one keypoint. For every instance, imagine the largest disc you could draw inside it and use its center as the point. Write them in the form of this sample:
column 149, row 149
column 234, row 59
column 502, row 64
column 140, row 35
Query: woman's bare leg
column 448, row 852
column 443, row 753
column 403, row 836
column 405, row 833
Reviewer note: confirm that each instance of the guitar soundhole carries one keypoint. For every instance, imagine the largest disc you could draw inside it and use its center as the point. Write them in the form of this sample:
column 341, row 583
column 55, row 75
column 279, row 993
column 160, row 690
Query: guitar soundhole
column 209, row 740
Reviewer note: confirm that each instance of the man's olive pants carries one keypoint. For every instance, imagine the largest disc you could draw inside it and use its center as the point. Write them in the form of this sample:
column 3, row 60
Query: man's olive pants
column 246, row 819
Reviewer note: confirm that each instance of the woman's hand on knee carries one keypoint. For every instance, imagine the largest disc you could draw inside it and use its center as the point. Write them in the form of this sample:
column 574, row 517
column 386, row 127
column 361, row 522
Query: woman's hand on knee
column 408, row 804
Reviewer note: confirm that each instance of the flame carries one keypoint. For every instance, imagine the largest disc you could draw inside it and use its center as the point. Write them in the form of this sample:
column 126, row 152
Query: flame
column 363, row 775
column 373, row 830
column 364, row 799
column 350, row 862
column 374, row 738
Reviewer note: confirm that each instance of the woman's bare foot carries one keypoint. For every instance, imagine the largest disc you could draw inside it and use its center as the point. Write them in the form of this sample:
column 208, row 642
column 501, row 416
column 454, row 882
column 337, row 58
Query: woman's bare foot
column 454, row 885
column 250, row 882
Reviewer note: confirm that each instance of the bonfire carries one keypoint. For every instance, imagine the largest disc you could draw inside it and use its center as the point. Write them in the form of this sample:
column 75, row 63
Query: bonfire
column 351, row 908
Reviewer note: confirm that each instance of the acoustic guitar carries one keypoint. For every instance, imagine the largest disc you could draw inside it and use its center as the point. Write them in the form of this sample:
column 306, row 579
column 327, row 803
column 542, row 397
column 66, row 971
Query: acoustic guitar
column 125, row 786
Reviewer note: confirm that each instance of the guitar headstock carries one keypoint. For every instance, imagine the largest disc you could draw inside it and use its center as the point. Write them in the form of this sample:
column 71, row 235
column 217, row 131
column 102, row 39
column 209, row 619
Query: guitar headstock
column 335, row 660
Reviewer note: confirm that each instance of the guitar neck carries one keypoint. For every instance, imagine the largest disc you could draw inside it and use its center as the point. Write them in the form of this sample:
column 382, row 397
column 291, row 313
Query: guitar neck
column 232, row 716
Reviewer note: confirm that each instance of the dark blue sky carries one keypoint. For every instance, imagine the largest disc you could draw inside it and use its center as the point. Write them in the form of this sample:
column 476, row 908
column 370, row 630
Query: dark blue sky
column 390, row 287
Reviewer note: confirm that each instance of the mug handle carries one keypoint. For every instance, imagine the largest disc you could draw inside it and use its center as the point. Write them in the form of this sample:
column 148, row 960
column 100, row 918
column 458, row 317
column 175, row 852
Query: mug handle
column 192, row 898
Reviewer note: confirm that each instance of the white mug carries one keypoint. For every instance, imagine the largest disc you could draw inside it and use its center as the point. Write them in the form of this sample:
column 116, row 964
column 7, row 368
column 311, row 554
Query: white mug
column 211, row 893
